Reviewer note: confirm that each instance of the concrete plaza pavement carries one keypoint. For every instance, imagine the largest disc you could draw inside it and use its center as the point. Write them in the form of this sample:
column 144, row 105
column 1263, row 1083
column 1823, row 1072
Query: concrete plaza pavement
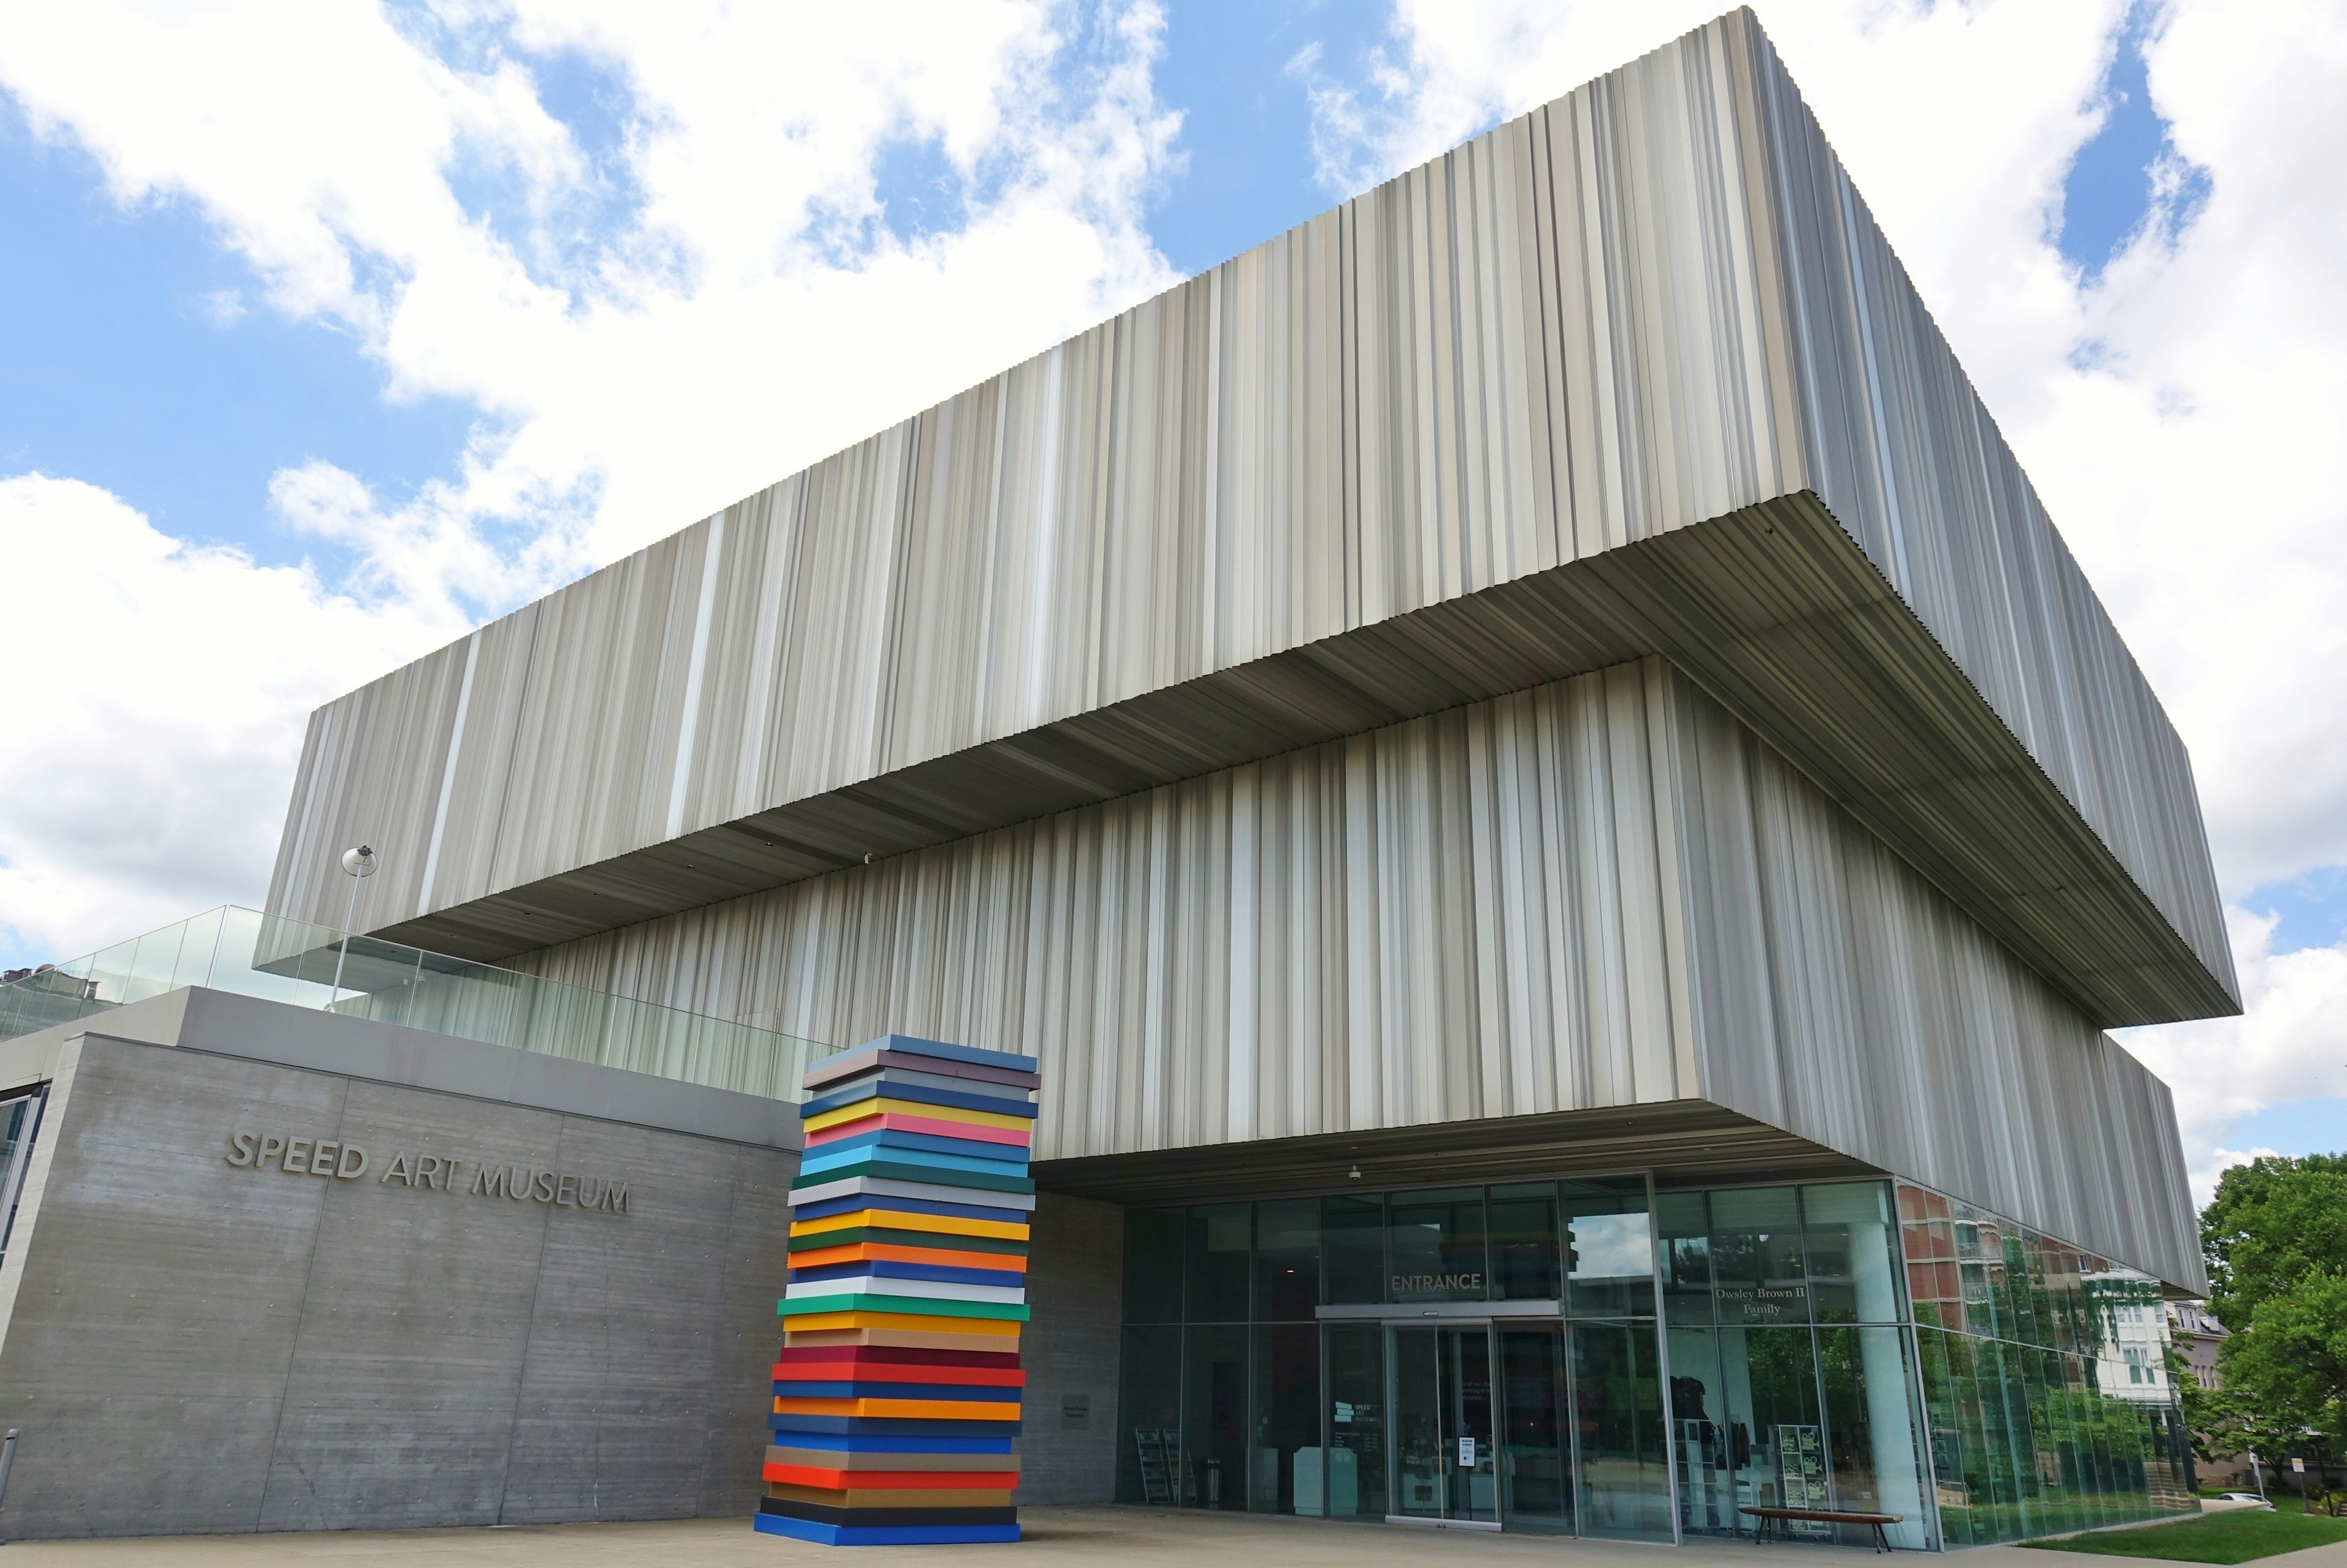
column 1111, row 1537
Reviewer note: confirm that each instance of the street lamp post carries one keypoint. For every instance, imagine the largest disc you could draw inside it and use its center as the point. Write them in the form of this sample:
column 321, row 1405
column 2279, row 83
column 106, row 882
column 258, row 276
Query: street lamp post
column 360, row 864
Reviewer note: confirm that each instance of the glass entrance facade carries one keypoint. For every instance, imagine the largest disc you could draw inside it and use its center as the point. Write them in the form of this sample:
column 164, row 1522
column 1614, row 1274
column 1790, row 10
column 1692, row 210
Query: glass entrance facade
column 1593, row 1358
column 1477, row 1356
column 1445, row 1464
column 2045, row 1379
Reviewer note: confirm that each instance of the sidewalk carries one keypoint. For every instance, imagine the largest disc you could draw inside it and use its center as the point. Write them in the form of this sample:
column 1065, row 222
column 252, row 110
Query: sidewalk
column 1140, row 1538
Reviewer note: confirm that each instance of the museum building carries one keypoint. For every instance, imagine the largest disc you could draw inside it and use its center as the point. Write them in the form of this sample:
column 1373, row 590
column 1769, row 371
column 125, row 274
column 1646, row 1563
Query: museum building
column 1562, row 828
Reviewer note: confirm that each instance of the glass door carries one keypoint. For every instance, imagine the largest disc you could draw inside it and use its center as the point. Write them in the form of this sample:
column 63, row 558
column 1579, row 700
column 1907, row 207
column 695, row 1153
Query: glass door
column 1445, row 1469
column 1536, row 1490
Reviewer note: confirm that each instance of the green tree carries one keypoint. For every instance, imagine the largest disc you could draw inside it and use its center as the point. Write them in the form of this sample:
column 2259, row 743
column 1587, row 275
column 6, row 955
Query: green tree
column 2276, row 1239
column 2273, row 1223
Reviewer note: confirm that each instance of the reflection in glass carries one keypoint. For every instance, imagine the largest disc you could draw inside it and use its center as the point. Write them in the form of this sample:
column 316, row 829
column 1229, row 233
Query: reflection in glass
column 1942, row 1417
column 1357, row 1422
column 20, row 1122
column 1353, row 1242
column 1445, row 1465
column 1148, row 1464
column 1683, row 1243
column 1152, row 1265
column 1776, row 1442
column 1934, row 1287
column 1700, row 1435
column 1870, row 1431
column 1535, row 1451
column 1756, row 1256
column 1286, row 1259
column 1853, row 1251
column 1437, row 1244
column 1214, row 1418
column 1617, row 1402
column 2015, row 1300
column 2065, row 1298
column 1421, row 1469
column 2041, row 1416
column 1523, row 1243
column 1980, row 1260
column 2074, row 1427
column 1610, row 1248
column 1215, row 1256
column 1286, row 1477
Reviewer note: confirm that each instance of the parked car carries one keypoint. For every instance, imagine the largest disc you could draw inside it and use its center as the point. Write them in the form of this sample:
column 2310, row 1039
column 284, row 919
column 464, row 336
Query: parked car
column 2242, row 1497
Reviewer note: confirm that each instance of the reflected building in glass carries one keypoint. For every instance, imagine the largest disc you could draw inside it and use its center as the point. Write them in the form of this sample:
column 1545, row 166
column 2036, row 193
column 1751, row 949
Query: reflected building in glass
column 1562, row 823
column 1611, row 1357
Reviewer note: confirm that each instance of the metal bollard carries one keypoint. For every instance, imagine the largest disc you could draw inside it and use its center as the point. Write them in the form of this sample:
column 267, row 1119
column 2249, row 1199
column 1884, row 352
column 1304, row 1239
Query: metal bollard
column 7, row 1458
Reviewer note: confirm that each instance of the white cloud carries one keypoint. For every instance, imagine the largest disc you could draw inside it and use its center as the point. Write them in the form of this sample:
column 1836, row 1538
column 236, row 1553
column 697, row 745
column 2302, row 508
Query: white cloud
column 2289, row 1045
column 2197, row 466
column 223, row 308
column 155, row 716
column 651, row 326
column 654, row 335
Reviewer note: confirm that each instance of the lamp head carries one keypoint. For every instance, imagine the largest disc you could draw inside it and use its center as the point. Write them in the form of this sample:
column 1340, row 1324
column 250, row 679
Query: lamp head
column 359, row 862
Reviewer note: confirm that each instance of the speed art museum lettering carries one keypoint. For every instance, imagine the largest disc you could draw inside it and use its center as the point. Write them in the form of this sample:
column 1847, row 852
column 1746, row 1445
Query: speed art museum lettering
column 488, row 1179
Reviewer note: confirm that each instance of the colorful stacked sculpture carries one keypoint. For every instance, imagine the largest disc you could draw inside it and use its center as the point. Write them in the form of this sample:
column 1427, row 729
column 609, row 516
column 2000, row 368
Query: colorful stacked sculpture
column 896, row 1394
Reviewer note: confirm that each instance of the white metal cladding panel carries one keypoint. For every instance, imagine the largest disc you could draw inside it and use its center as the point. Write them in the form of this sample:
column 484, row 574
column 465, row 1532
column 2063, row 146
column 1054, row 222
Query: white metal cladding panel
column 418, row 763
column 486, row 722
column 1840, row 997
column 341, row 783
column 1550, row 342
column 1906, row 456
column 1598, row 892
column 1629, row 312
column 595, row 733
column 1459, row 917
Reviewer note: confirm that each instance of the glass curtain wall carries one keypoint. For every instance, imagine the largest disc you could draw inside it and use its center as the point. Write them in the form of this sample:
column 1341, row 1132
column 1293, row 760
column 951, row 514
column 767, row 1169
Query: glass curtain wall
column 2045, row 1379
column 1857, row 1345
column 301, row 964
column 20, row 1119
column 1236, row 1396
column 1790, row 1373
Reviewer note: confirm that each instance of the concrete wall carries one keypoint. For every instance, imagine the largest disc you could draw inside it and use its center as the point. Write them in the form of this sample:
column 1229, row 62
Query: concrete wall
column 192, row 1347
column 1076, row 1286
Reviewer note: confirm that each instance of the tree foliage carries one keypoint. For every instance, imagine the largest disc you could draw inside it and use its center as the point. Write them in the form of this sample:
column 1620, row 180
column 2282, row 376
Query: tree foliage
column 2273, row 1223
column 2276, row 1240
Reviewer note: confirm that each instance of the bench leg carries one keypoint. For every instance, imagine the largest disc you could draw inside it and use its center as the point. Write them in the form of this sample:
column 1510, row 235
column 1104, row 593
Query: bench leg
column 1881, row 1541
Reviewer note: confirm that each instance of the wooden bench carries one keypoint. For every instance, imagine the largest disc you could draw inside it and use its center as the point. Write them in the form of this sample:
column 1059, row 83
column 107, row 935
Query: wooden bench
column 1772, row 1520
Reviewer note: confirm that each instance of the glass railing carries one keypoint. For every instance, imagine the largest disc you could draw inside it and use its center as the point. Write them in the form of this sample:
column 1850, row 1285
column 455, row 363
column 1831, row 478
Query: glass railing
column 292, row 961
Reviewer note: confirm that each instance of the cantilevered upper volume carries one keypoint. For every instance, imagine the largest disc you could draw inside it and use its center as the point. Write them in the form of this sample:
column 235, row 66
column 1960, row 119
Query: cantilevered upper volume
column 1633, row 375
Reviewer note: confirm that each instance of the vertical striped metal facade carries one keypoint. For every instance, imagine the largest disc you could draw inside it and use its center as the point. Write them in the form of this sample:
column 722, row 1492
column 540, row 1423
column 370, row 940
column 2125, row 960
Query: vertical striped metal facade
column 1602, row 892
column 1647, row 305
column 1651, row 305
column 1903, row 451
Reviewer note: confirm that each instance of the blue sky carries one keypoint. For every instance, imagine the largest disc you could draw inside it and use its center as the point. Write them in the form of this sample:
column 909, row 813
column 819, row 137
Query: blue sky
column 146, row 357
column 143, row 358
column 140, row 359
